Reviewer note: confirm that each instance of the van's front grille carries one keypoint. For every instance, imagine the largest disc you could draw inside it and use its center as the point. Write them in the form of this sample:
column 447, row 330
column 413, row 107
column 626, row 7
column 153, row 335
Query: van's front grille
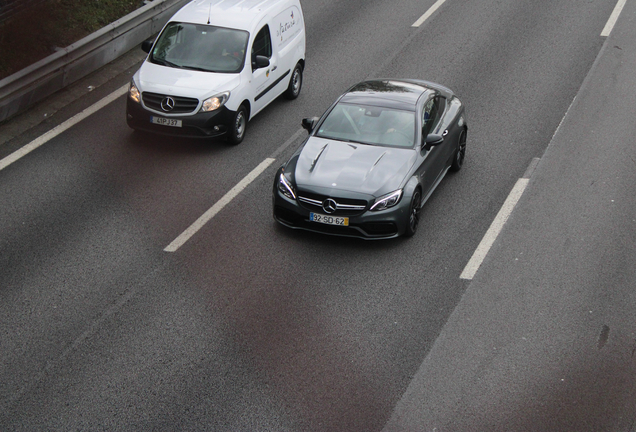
column 158, row 102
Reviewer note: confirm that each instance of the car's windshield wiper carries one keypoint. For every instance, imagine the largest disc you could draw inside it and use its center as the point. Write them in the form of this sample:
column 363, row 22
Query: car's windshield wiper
column 197, row 68
column 164, row 62
column 343, row 139
column 334, row 138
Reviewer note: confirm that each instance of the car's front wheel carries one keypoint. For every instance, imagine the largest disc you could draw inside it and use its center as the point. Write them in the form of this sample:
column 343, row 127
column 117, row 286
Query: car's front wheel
column 236, row 131
column 460, row 153
column 414, row 214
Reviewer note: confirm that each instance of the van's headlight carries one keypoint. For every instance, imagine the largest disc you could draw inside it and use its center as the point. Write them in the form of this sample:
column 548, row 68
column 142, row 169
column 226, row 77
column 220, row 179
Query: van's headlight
column 387, row 201
column 285, row 187
column 215, row 102
column 133, row 92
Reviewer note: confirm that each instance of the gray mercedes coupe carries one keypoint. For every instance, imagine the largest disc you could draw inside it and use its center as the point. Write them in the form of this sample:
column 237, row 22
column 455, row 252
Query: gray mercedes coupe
column 372, row 160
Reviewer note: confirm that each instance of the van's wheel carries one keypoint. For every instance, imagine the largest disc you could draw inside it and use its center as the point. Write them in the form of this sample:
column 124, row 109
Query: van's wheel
column 295, row 83
column 236, row 131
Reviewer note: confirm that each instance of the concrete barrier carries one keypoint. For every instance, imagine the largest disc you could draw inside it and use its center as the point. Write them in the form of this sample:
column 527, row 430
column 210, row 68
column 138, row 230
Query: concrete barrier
column 34, row 83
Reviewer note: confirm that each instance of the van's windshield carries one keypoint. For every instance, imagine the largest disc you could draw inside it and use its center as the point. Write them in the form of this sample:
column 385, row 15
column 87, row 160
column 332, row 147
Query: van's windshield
column 200, row 47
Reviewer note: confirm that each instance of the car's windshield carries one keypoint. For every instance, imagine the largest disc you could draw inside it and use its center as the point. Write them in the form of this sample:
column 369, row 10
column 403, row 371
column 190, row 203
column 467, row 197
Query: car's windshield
column 201, row 47
column 369, row 125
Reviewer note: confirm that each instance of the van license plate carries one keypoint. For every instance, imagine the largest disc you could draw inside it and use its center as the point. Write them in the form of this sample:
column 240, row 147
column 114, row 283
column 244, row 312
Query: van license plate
column 165, row 121
column 329, row 220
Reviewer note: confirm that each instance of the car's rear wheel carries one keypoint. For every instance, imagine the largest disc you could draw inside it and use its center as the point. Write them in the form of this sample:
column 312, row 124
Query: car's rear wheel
column 236, row 131
column 460, row 153
column 414, row 214
column 295, row 83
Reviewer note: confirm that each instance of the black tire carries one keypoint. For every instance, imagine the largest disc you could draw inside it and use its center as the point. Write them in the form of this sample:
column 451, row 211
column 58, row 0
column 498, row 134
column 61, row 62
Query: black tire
column 414, row 214
column 295, row 83
column 460, row 153
column 237, row 128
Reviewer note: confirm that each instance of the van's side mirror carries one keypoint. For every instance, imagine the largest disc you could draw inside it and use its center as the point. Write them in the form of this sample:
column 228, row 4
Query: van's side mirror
column 146, row 45
column 432, row 140
column 309, row 123
column 259, row 61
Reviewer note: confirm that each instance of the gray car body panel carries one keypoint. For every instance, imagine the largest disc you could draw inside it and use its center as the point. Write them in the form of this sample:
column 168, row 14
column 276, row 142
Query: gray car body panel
column 357, row 171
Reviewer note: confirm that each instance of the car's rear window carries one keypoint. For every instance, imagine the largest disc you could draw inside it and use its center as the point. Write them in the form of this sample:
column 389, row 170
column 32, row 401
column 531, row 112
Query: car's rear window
column 369, row 125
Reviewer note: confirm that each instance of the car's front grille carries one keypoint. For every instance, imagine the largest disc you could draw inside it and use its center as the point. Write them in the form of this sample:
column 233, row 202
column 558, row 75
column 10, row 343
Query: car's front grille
column 182, row 105
column 343, row 206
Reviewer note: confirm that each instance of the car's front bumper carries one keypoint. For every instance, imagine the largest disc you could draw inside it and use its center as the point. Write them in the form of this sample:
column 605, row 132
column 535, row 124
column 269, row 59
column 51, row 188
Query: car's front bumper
column 199, row 125
column 368, row 225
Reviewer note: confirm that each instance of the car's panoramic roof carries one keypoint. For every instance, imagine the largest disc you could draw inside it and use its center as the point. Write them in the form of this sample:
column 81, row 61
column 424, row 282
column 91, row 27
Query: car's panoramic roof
column 391, row 93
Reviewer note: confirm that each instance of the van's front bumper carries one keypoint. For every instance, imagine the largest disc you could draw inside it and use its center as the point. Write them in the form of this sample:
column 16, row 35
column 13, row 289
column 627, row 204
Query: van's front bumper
column 200, row 125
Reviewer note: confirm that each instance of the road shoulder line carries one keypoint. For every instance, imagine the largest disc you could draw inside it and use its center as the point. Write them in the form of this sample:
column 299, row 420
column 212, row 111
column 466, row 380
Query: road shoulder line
column 62, row 127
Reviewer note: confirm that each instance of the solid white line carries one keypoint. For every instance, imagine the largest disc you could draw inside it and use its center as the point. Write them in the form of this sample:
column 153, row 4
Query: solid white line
column 613, row 18
column 225, row 200
column 494, row 230
column 62, row 127
column 428, row 13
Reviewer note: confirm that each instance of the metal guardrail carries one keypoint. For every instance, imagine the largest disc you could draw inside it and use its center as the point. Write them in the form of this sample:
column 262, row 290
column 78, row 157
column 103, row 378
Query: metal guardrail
column 34, row 83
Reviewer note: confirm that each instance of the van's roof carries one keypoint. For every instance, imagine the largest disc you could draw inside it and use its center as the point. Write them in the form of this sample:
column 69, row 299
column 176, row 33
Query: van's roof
column 238, row 14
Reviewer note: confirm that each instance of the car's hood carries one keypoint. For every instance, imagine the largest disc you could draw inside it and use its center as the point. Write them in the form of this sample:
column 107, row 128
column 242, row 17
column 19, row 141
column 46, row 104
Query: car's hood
column 182, row 82
column 352, row 167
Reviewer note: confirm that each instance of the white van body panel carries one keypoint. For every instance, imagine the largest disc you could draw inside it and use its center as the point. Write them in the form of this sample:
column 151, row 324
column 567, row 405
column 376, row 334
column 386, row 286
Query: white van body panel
column 259, row 87
column 238, row 14
column 288, row 42
column 289, row 26
column 159, row 79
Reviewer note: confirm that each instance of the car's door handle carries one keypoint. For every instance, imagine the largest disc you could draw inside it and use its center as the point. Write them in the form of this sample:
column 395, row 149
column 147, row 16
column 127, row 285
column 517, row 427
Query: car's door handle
column 445, row 133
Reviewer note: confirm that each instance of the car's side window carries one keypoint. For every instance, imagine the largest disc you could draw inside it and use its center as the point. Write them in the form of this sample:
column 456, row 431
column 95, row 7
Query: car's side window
column 431, row 114
column 440, row 101
column 262, row 43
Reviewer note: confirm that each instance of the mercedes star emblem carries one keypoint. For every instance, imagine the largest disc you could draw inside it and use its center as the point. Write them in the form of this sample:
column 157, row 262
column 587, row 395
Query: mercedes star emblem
column 167, row 104
column 329, row 205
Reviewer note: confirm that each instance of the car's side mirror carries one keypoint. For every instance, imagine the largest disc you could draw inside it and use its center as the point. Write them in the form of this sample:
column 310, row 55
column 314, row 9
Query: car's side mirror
column 432, row 140
column 309, row 123
column 146, row 45
column 259, row 62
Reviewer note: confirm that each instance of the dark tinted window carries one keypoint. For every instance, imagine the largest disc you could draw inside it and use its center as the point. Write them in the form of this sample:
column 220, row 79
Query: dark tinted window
column 369, row 125
column 262, row 43
column 431, row 114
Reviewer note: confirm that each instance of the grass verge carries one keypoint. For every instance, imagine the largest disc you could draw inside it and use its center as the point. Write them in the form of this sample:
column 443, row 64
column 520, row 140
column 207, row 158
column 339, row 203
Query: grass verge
column 37, row 32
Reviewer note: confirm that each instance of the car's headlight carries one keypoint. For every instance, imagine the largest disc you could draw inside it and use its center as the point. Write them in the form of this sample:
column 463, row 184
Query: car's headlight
column 285, row 187
column 387, row 201
column 215, row 102
column 133, row 92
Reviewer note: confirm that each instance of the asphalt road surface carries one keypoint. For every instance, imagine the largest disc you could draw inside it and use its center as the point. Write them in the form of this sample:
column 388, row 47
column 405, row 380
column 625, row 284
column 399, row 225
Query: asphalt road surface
column 249, row 326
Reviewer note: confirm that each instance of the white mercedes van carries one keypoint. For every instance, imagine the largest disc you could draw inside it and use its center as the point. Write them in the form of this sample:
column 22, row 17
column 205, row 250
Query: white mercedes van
column 215, row 65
